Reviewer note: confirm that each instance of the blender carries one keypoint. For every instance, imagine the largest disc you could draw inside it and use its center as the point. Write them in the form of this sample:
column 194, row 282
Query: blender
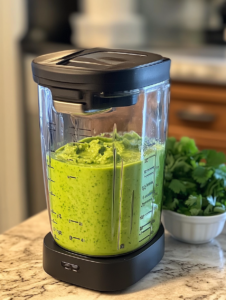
column 103, row 123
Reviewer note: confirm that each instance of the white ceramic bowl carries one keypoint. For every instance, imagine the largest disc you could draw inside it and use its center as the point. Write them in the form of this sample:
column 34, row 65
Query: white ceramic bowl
column 193, row 229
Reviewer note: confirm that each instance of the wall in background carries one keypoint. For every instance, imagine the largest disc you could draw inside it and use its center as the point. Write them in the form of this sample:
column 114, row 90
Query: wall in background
column 12, row 179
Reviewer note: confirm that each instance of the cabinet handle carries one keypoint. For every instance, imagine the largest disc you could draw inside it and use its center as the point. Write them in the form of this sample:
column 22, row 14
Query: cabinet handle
column 187, row 115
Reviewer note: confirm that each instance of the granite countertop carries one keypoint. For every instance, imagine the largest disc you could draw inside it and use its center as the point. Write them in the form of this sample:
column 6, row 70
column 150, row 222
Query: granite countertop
column 189, row 272
column 204, row 64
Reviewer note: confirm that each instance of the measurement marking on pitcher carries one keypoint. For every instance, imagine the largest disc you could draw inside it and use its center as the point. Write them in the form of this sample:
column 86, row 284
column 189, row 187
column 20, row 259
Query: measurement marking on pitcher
column 72, row 177
column 146, row 236
column 145, row 214
column 148, row 223
column 56, row 237
column 84, row 129
column 145, row 230
column 144, row 203
column 52, row 211
column 51, row 126
column 73, row 237
column 147, row 195
column 77, row 222
column 76, row 238
column 147, row 185
column 145, row 225
column 54, row 221
column 51, row 193
column 148, row 170
column 52, row 129
column 50, row 179
column 58, row 231
column 50, row 167
column 148, row 174
column 146, row 159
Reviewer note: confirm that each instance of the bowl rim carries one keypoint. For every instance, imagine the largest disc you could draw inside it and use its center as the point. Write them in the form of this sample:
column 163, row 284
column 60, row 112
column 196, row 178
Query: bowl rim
column 195, row 219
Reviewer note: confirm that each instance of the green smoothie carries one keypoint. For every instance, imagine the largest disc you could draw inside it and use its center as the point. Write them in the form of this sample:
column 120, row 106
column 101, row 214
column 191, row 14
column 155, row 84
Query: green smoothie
column 105, row 194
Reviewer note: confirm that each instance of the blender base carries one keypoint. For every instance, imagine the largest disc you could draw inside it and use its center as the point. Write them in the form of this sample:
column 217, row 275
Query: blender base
column 102, row 274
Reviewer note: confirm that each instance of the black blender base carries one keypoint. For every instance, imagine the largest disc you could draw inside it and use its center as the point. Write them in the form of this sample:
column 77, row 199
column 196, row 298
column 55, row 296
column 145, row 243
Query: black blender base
column 102, row 274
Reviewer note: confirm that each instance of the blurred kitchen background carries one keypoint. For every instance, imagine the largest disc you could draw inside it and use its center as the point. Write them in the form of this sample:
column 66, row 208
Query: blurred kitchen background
column 191, row 32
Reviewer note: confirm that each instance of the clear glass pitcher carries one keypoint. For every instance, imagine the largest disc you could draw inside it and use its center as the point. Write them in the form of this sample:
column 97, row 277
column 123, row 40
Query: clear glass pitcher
column 103, row 167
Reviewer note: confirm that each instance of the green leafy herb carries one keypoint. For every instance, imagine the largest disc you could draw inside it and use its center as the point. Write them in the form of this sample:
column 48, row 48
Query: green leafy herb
column 201, row 174
column 177, row 186
column 208, row 210
column 213, row 158
column 220, row 173
column 194, row 201
column 211, row 200
column 195, row 181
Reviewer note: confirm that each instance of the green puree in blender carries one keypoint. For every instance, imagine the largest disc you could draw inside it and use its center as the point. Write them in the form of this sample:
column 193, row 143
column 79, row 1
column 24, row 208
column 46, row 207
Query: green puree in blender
column 100, row 210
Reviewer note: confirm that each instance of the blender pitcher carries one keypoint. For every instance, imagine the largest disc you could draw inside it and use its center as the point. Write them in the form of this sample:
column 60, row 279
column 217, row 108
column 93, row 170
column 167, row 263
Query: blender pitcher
column 103, row 123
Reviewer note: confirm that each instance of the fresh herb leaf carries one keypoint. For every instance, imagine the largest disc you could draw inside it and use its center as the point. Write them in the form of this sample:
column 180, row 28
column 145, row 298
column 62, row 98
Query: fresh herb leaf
column 211, row 185
column 186, row 146
column 195, row 181
column 169, row 161
column 181, row 166
column 177, row 186
column 190, row 186
column 173, row 204
column 202, row 174
column 170, row 144
column 191, row 200
column 195, row 201
column 212, row 200
column 219, row 209
column 168, row 175
column 220, row 173
column 182, row 209
column 208, row 210
column 213, row 158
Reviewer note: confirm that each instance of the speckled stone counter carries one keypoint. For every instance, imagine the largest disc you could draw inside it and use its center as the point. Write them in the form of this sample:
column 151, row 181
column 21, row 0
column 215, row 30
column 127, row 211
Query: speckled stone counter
column 189, row 272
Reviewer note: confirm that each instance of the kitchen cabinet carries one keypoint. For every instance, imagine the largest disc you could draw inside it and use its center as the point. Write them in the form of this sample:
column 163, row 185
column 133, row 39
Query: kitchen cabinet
column 199, row 112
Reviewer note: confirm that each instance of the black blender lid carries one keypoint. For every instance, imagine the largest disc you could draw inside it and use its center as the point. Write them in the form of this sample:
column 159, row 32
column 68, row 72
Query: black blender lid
column 100, row 70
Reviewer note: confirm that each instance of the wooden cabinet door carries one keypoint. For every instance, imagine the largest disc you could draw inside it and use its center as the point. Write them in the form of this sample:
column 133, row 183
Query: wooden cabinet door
column 199, row 112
